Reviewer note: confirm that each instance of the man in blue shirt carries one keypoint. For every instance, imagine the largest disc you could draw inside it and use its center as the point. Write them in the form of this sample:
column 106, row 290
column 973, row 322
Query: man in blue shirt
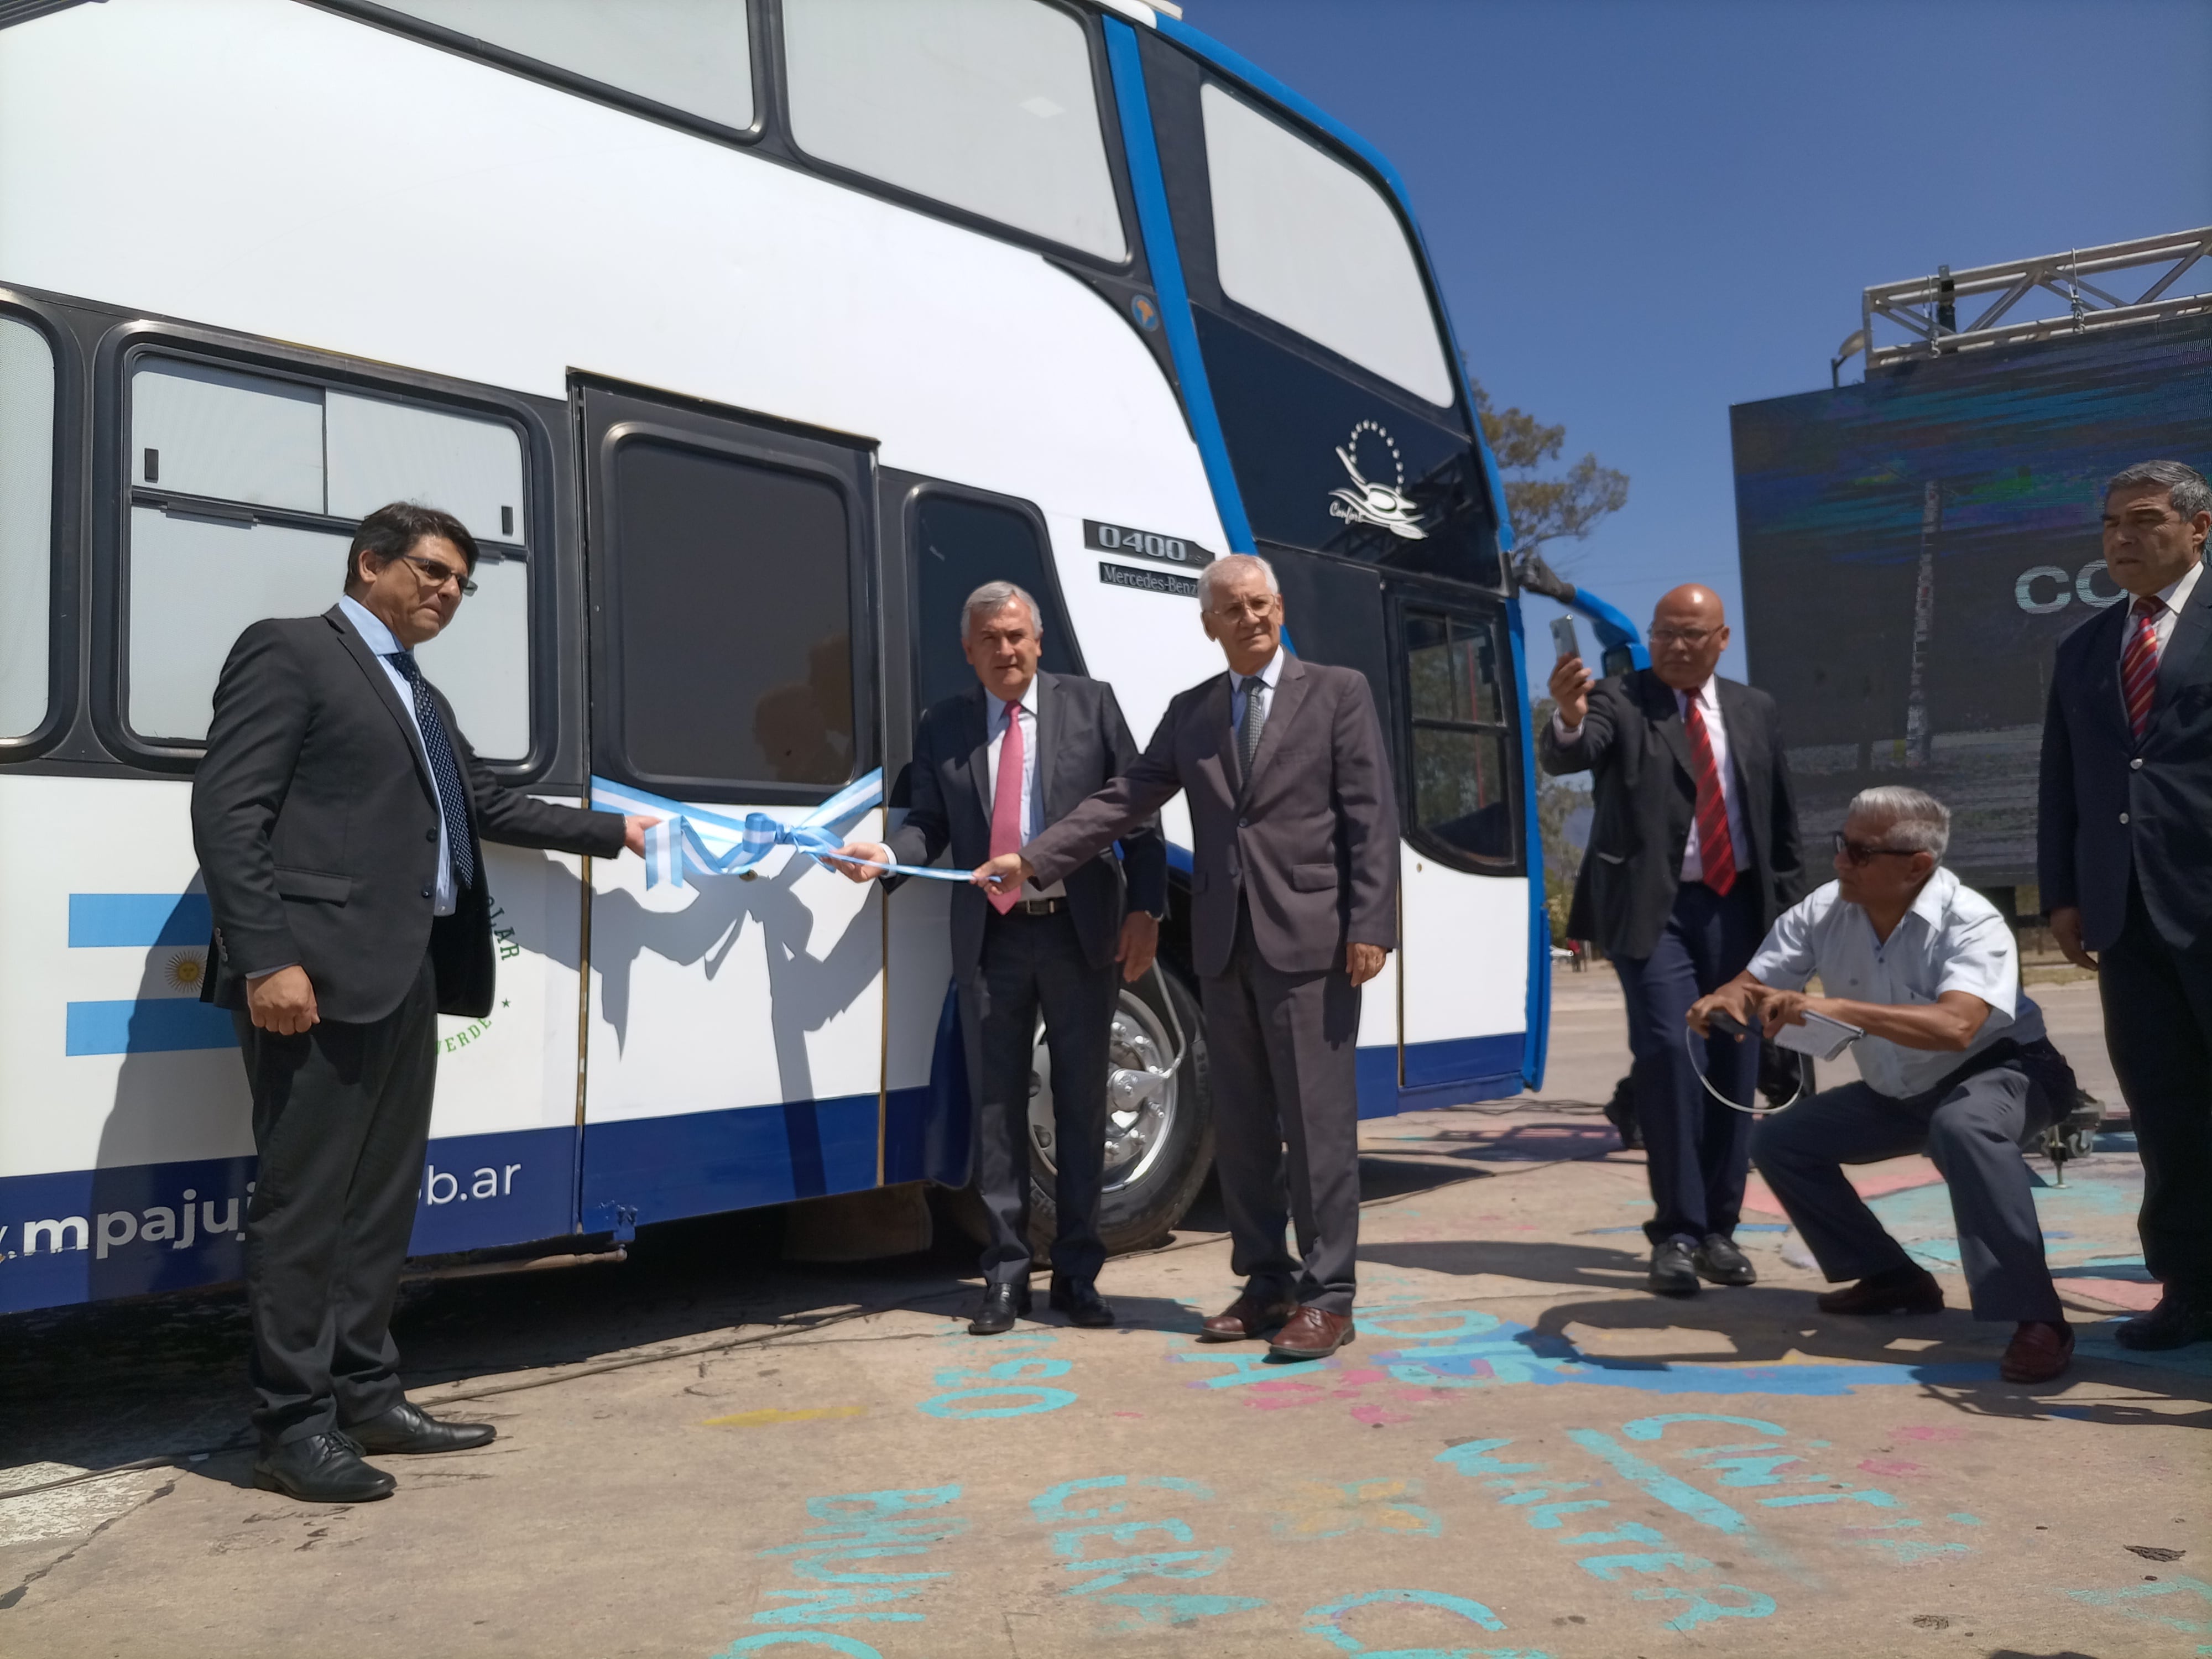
column 1953, row 1062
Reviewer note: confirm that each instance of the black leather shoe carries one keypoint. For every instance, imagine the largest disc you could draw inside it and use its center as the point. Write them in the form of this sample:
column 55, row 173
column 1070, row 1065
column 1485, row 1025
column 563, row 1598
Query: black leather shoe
column 320, row 1468
column 1717, row 1260
column 1674, row 1273
column 2176, row 1323
column 1002, row 1304
column 404, row 1429
column 1080, row 1300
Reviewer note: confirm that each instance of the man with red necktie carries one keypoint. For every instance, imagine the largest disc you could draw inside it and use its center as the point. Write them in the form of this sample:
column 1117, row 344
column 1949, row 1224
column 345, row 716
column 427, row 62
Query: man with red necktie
column 2125, row 856
column 992, row 766
column 1694, row 852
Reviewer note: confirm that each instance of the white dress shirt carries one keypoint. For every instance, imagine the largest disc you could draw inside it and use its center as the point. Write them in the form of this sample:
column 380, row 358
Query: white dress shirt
column 1032, row 798
column 2176, row 594
column 1951, row 939
column 378, row 638
column 1709, row 705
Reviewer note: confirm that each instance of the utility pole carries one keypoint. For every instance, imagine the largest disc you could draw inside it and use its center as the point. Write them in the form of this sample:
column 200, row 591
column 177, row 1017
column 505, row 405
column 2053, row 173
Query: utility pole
column 1919, row 740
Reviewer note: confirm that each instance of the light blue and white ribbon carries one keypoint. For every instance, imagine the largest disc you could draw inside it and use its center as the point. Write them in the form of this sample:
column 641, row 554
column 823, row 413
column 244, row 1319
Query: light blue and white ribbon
column 692, row 841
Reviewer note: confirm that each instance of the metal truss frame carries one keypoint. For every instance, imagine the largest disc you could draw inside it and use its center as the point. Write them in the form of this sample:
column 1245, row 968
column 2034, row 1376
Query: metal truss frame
column 1924, row 307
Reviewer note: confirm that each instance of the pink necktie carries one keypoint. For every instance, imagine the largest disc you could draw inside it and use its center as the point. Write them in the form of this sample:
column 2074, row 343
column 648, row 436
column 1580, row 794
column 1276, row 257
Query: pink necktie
column 1007, row 801
column 2139, row 662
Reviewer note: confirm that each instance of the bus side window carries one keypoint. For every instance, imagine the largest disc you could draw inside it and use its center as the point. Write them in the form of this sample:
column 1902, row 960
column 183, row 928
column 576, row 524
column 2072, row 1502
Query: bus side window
column 27, row 518
column 246, row 491
column 1459, row 756
column 734, row 617
column 959, row 545
column 984, row 104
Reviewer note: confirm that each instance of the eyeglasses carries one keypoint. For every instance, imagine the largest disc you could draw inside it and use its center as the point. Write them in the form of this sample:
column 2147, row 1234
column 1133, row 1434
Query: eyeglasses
column 1252, row 610
column 1859, row 854
column 1686, row 635
column 438, row 575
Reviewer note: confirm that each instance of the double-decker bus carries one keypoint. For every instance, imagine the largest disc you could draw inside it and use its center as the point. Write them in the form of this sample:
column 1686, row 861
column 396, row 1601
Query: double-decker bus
column 747, row 336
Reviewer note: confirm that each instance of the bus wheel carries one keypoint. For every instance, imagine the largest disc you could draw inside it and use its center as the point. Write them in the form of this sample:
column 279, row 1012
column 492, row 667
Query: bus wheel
column 1159, row 1123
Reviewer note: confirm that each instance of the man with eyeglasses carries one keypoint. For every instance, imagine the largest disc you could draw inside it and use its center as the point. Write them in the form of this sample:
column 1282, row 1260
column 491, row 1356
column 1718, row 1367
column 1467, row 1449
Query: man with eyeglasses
column 1953, row 1062
column 2124, row 852
column 338, row 815
column 1693, row 853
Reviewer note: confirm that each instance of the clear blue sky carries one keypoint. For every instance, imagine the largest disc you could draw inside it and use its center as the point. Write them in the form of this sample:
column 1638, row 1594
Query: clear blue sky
column 1645, row 210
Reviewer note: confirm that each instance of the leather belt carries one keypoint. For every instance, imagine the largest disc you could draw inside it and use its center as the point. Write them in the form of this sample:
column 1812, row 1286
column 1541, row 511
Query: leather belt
column 1044, row 907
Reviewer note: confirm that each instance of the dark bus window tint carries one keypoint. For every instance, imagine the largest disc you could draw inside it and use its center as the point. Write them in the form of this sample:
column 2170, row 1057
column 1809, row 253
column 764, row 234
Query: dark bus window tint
column 1461, row 786
column 733, row 612
column 958, row 546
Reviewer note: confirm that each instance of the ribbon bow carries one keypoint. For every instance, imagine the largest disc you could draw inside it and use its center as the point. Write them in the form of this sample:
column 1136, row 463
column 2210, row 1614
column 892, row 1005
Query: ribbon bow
column 693, row 842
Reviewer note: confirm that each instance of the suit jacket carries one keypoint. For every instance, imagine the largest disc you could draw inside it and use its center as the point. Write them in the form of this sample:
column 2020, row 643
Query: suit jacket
column 1310, row 840
column 1645, row 798
column 1083, row 744
column 2110, row 807
column 317, row 829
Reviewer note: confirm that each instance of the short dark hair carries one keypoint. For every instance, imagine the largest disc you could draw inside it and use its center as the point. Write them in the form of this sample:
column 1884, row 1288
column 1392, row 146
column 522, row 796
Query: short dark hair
column 394, row 529
column 2185, row 485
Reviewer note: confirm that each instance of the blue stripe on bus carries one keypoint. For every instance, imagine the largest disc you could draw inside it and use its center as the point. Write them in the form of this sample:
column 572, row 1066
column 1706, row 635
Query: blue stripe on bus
column 701, row 1162
column 1157, row 226
column 1460, row 1059
column 148, row 1025
column 98, row 919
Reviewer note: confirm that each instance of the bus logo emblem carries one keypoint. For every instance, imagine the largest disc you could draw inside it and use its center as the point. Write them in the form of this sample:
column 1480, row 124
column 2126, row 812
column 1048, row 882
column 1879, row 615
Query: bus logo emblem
column 1386, row 506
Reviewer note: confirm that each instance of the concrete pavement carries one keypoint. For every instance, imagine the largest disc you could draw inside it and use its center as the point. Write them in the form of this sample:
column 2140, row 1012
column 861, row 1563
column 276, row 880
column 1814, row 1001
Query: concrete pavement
column 704, row 1451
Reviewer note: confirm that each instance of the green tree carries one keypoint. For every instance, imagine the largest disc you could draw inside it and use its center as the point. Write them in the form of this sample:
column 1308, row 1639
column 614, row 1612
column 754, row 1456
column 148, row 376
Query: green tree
column 1563, row 507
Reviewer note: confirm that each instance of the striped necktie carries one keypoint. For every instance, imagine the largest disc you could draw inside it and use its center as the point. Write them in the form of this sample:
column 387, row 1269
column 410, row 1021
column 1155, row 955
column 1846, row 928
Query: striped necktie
column 452, row 803
column 1716, row 851
column 2139, row 662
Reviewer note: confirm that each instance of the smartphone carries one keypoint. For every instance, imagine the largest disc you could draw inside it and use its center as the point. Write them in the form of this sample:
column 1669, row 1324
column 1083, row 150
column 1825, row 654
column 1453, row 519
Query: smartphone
column 1564, row 638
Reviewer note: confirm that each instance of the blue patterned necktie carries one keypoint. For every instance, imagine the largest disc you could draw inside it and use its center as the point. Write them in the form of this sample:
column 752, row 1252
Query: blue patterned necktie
column 450, row 801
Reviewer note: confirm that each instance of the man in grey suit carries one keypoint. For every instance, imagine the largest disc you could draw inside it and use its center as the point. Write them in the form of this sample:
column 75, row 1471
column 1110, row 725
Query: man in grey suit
column 992, row 765
column 1693, row 853
column 1294, row 885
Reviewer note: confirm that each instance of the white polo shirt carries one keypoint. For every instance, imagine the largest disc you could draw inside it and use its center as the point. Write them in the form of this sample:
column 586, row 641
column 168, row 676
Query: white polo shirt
column 1951, row 939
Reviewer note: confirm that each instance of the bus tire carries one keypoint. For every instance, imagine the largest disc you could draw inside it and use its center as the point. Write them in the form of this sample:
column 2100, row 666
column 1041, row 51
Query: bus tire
column 1149, row 1191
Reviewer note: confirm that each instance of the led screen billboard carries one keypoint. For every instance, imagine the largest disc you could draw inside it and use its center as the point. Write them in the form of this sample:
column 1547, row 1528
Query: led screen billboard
column 1956, row 499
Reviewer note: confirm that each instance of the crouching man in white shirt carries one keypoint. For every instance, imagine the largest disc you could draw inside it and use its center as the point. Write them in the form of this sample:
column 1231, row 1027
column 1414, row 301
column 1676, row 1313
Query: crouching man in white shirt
column 1953, row 1062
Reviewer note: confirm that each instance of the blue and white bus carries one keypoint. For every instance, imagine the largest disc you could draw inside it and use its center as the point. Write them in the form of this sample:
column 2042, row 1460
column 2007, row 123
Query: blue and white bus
column 747, row 336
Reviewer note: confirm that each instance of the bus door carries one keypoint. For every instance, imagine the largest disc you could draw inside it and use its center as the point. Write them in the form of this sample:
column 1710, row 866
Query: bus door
column 733, row 1042
column 1463, row 886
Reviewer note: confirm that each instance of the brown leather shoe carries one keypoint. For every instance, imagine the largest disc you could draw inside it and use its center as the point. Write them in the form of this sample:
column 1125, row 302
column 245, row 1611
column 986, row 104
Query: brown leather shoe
column 1246, row 1317
column 1312, row 1334
column 2039, row 1352
column 1906, row 1292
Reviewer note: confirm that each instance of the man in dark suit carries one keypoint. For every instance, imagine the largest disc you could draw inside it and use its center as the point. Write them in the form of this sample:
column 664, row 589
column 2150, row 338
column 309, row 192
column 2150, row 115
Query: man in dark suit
column 1294, row 889
column 991, row 767
column 1693, row 853
column 2125, row 856
column 338, row 815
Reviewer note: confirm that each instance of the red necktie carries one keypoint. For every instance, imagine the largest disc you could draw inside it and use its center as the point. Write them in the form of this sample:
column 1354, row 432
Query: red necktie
column 1007, row 801
column 2139, row 663
column 1715, row 850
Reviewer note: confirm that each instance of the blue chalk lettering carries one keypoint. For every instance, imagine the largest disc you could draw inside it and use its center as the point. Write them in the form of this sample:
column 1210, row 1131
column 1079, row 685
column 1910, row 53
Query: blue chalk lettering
column 836, row 1607
column 1473, row 1457
column 1245, row 1368
column 1650, row 1428
column 1548, row 1515
column 1052, row 1506
column 1881, row 1500
column 1536, row 1493
column 1678, row 1495
column 2179, row 1584
column 860, row 1505
column 1070, row 1542
column 1323, row 1621
column 1632, row 1532
column 1610, row 1567
column 1114, row 1569
column 1704, row 1609
column 1965, row 1520
column 1751, row 1471
column 954, row 1407
column 1468, row 1324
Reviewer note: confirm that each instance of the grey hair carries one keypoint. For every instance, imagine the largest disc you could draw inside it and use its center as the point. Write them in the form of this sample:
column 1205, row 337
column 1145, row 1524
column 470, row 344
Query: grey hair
column 2185, row 485
column 1918, row 822
column 992, row 598
column 1227, row 564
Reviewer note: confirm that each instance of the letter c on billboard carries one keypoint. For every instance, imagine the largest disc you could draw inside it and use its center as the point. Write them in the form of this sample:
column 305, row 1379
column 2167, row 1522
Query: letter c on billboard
column 2024, row 590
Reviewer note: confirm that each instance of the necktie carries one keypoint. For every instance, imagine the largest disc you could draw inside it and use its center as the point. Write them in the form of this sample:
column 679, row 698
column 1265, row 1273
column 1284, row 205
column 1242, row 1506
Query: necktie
column 1715, row 850
column 451, row 803
column 1256, row 721
column 2139, row 662
column 1007, row 800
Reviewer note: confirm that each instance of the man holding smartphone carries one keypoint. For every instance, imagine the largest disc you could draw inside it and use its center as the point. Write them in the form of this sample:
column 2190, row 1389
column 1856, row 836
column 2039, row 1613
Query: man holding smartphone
column 1953, row 1062
column 1692, row 853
